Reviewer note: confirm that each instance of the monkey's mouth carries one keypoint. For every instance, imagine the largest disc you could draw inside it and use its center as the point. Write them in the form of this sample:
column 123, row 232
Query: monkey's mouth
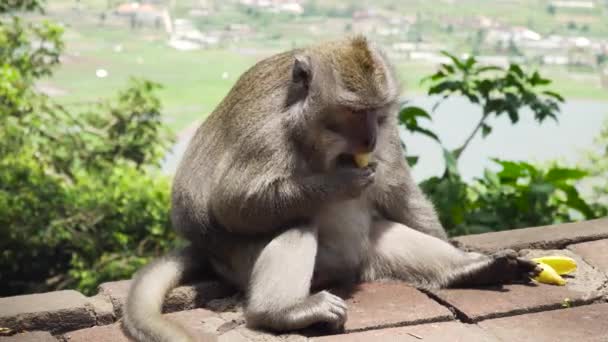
column 346, row 160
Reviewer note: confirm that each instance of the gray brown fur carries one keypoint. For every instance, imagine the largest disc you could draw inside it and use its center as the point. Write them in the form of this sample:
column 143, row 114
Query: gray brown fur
column 262, row 197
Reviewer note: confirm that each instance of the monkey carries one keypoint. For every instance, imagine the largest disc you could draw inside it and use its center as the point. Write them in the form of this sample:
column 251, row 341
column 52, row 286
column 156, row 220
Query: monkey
column 270, row 200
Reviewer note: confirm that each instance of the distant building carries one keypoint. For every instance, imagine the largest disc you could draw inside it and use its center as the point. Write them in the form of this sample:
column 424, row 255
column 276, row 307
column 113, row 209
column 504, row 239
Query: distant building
column 186, row 37
column 515, row 34
column 142, row 13
column 604, row 77
column 276, row 6
column 574, row 4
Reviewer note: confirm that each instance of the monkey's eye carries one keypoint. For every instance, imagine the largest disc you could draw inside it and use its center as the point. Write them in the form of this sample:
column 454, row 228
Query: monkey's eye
column 381, row 119
column 332, row 127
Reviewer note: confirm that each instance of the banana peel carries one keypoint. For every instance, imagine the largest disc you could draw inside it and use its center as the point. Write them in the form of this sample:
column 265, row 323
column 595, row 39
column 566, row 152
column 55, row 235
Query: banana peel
column 553, row 268
column 362, row 159
column 549, row 276
column 561, row 264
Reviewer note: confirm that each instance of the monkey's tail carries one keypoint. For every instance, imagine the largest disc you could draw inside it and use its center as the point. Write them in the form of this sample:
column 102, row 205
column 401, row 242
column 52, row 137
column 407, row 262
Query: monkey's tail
column 142, row 318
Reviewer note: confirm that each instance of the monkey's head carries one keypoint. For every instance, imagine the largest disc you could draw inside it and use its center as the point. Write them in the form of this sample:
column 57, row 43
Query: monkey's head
column 347, row 93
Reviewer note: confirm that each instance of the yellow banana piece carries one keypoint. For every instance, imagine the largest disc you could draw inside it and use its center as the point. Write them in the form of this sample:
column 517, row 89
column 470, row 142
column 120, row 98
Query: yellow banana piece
column 362, row 159
column 549, row 276
column 561, row 264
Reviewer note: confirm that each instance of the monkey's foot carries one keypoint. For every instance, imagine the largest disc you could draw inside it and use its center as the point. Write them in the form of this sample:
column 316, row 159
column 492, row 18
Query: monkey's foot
column 507, row 266
column 499, row 268
column 328, row 308
column 321, row 308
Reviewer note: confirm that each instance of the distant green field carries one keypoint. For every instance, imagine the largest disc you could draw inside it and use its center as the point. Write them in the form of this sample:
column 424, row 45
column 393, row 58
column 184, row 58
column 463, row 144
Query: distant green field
column 192, row 80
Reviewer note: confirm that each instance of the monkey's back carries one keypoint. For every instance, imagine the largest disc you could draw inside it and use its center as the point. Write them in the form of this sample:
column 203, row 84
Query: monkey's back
column 244, row 131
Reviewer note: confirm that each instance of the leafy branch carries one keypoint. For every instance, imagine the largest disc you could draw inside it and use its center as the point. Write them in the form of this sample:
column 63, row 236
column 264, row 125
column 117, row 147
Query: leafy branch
column 498, row 91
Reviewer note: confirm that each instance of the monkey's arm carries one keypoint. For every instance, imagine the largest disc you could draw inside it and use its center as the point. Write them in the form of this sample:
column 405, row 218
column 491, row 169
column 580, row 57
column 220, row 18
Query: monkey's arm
column 402, row 201
column 254, row 205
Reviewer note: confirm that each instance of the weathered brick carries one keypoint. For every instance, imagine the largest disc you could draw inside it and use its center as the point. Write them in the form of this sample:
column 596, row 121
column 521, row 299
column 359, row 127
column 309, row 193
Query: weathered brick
column 103, row 310
column 585, row 323
column 583, row 286
column 201, row 323
column 53, row 311
column 479, row 304
column 117, row 292
column 431, row 332
column 196, row 295
column 34, row 336
column 106, row 333
column 555, row 236
column 182, row 298
column 390, row 304
column 594, row 252
column 253, row 335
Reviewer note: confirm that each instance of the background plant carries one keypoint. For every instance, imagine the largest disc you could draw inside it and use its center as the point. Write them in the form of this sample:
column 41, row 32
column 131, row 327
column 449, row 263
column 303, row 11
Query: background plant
column 520, row 194
column 81, row 197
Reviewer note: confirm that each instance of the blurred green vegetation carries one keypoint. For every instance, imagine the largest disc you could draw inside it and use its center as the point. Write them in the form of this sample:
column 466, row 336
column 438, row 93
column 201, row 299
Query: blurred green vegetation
column 520, row 194
column 82, row 199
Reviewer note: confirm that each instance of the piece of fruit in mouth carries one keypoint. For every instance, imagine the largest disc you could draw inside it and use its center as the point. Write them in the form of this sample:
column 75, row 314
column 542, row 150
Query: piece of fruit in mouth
column 362, row 159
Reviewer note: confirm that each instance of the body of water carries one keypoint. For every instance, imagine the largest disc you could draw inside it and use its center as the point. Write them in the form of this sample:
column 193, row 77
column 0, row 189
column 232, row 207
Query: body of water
column 566, row 140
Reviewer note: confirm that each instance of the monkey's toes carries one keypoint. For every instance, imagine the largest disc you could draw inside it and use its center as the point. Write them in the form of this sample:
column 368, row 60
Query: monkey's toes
column 505, row 254
column 331, row 310
column 531, row 268
column 511, row 267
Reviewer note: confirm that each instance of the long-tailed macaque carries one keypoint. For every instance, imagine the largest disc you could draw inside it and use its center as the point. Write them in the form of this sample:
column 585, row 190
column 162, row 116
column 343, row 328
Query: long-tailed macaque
column 272, row 202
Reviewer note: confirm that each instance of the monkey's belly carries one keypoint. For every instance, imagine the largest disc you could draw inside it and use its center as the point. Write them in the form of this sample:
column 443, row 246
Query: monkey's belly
column 344, row 230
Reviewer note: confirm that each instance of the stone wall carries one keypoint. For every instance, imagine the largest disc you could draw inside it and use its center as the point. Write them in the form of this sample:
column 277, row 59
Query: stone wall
column 387, row 310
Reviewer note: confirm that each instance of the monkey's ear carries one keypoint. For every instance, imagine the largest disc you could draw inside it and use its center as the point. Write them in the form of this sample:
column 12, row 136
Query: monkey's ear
column 301, row 73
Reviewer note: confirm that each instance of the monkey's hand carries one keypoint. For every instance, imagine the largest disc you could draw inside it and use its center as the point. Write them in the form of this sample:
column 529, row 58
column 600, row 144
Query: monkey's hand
column 350, row 182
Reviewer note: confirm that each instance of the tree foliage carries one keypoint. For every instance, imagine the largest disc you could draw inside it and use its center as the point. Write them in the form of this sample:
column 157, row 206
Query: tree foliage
column 81, row 197
column 520, row 194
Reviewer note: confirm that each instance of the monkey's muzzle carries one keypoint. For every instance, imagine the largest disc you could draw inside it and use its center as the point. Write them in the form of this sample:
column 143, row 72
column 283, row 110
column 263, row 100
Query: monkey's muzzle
column 362, row 159
column 359, row 160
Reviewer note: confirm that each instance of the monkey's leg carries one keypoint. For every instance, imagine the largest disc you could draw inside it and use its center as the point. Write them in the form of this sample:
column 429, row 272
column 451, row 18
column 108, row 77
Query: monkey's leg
column 279, row 297
column 403, row 253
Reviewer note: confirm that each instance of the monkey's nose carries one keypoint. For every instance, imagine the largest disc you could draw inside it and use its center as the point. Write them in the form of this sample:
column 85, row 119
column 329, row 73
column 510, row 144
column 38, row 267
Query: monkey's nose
column 369, row 143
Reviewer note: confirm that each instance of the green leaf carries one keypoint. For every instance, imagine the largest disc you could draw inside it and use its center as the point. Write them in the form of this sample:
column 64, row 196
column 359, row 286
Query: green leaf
column 460, row 65
column 428, row 133
column 554, row 95
column 445, row 86
column 451, row 164
column 412, row 160
column 409, row 112
column 491, row 177
column 562, row 174
column 542, row 188
column 510, row 170
column 488, row 68
column 408, row 117
column 576, row 202
column 485, row 130
column 470, row 62
column 516, row 69
column 536, row 79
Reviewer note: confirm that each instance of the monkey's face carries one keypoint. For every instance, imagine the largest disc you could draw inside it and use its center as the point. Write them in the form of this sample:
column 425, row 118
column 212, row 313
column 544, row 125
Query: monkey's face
column 354, row 129
column 346, row 131
column 349, row 93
